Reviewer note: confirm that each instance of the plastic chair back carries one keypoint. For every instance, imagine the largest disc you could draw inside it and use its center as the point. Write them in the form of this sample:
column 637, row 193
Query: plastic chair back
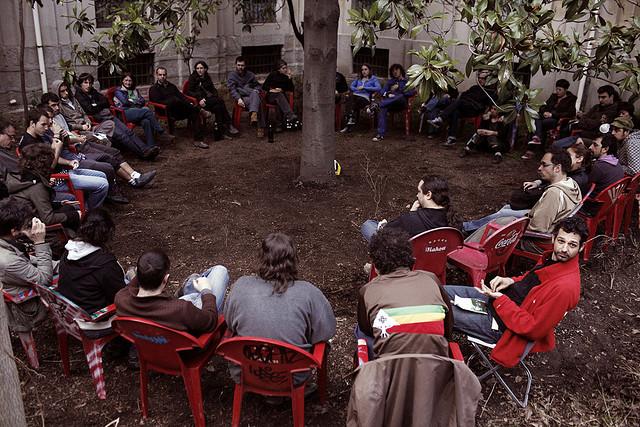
column 63, row 310
column 499, row 245
column 110, row 93
column 267, row 364
column 159, row 346
column 626, row 205
column 431, row 248
column 610, row 195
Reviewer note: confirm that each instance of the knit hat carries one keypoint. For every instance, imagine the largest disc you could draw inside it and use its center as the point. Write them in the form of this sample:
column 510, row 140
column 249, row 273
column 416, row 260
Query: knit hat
column 623, row 123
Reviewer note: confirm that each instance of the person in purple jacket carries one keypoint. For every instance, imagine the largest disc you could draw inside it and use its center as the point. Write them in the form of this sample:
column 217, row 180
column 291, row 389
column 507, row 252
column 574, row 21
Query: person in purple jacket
column 395, row 97
column 362, row 89
column 131, row 101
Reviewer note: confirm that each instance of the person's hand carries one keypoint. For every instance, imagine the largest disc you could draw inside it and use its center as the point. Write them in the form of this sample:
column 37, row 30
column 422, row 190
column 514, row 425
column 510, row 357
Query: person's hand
column 499, row 283
column 37, row 232
column 547, row 115
column 481, row 132
column 75, row 164
column 70, row 202
column 415, row 206
column 63, row 134
column 391, row 95
column 579, row 114
column 82, row 139
column 86, row 126
column 202, row 103
column 603, row 119
column 360, row 87
column 201, row 283
column 394, row 88
column 529, row 185
column 241, row 102
column 488, row 291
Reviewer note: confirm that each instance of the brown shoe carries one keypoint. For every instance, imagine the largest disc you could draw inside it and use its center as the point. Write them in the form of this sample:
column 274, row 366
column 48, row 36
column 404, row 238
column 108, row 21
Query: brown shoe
column 254, row 118
column 260, row 133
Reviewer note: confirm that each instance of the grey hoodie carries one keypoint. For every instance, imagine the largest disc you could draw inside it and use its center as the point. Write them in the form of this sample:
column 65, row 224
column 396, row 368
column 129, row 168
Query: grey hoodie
column 555, row 204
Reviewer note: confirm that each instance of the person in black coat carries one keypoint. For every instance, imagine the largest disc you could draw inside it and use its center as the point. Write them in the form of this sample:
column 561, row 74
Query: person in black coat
column 90, row 274
column 277, row 84
column 201, row 87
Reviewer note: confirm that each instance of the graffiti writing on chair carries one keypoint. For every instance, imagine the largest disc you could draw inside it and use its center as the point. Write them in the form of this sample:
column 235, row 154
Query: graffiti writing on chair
column 436, row 245
column 270, row 354
column 156, row 339
column 267, row 374
column 507, row 241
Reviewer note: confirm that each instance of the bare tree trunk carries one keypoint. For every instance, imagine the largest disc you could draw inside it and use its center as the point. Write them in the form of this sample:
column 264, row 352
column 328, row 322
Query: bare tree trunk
column 11, row 407
column 320, row 52
column 23, row 84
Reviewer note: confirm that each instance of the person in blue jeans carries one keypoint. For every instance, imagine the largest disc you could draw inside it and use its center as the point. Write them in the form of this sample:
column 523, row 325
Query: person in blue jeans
column 92, row 182
column 131, row 101
column 395, row 97
column 362, row 89
column 215, row 278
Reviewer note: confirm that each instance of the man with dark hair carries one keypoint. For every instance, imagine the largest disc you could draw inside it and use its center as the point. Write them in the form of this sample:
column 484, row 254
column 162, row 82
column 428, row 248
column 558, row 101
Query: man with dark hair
column 245, row 90
column 147, row 297
column 178, row 106
column 557, row 201
column 515, row 311
column 628, row 144
column 603, row 112
column 18, row 270
column 96, row 105
column 402, row 311
column 8, row 158
column 605, row 169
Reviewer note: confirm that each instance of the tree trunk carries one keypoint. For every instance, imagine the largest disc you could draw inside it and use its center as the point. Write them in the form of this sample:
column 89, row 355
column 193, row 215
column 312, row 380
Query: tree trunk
column 320, row 52
column 23, row 84
column 11, row 407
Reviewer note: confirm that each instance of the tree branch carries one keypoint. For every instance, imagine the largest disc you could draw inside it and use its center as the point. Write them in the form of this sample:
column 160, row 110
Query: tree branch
column 294, row 24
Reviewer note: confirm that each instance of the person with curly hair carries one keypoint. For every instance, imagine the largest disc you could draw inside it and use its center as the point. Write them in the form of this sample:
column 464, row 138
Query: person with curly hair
column 276, row 303
column 402, row 311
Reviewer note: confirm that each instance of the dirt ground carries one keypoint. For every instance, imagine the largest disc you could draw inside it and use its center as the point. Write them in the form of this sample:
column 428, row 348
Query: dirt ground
column 214, row 206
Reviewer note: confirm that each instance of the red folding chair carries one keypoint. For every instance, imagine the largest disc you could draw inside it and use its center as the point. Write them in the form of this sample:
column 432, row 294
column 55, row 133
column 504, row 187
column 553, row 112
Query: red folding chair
column 171, row 352
column 65, row 315
column 117, row 111
column 268, row 367
column 607, row 213
column 430, row 249
column 491, row 254
column 626, row 205
column 26, row 338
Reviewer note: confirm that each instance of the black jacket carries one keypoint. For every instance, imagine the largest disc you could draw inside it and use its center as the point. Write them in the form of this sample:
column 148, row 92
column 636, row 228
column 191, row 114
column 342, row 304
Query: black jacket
column 278, row 80
column 93, row 102
column 166, row 94
column 201, row 87
column 91, row 281
column 424, row 219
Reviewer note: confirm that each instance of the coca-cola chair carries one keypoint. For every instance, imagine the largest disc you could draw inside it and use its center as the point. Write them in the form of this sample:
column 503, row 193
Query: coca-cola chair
column 430, row 249
column 172, row 352
column 607, row 213
column 626, row 205
column 491, row 253
column 268, row 367
column 67, row 318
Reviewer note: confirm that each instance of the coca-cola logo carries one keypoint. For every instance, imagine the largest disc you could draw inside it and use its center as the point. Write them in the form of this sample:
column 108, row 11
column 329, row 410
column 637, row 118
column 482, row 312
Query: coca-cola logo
column 507, row 240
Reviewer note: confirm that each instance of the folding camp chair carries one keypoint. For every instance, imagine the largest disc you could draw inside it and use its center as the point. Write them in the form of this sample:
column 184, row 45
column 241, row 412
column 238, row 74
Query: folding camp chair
column 26, row 338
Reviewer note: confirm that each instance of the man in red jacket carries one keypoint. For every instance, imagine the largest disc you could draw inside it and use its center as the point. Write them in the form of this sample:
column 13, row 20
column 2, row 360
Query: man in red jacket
column 526, row 308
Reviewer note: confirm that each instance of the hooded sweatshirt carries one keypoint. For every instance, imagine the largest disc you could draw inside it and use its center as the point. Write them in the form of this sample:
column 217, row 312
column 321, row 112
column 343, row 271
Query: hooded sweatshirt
column 555, row 204
column 605, row 171
column 89, row 276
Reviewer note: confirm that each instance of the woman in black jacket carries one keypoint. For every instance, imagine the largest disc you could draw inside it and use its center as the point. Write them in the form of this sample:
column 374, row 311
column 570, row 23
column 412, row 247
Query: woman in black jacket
column 90, row 274
column 277, row 84
column 202, row 88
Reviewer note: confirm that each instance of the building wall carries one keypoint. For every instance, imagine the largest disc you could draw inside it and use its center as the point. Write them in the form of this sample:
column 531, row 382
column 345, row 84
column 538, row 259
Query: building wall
column 219, row 43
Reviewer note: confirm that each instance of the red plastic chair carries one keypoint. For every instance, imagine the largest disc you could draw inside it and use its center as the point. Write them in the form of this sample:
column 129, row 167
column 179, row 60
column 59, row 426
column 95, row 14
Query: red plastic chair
column 171, row 352
column 608, row 213
column 268, row 367
column 274, row 107
column 185, row 89
column 478, row 259
column 26, row 338
column 117, row 111
column 626, row 204
column 430, row 249
column 406, row 115
column 64, row 314
column 78, row 194
column 545, row 240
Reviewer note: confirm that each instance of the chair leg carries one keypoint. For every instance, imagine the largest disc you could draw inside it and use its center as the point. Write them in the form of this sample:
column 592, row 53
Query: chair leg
column 297, row 406
column 407, row 122
column 238, row 394
column 191, row 377
column 93, row 353
column 29, row 346
column 477, row 276
column 63, row 347
column 586, row 253
column 322, row 381
column 144, row 383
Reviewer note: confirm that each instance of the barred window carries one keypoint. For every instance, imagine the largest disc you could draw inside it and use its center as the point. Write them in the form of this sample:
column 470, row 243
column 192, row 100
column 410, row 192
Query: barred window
column 104, row 8
column 141, row 67
column 361, row 4
column 379, row 62
column 262, row 59
column 259, row 11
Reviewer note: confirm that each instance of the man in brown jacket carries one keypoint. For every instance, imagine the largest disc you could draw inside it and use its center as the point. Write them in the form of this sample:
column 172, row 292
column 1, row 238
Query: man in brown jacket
column 147, row 298
column 402, row 311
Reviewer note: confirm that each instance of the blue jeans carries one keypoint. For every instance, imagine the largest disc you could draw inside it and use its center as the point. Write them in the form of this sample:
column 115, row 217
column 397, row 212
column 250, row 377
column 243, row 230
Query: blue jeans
column 89, row 181
column 475, row 324
column 564, row 143
column 368, row 229
column 397, row 103
column 218, row 276
column 543, row 125
column 124, row 137
column 147, row 119
column 503, row 212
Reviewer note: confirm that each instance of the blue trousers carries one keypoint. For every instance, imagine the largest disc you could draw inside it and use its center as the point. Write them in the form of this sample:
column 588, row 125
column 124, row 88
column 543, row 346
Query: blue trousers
column 397, row 103
column 505, row 211
column 368, row 229
column 475, row 324
column 93, row 183
column 147, row 119
column 125, row 137
column 218, row 276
